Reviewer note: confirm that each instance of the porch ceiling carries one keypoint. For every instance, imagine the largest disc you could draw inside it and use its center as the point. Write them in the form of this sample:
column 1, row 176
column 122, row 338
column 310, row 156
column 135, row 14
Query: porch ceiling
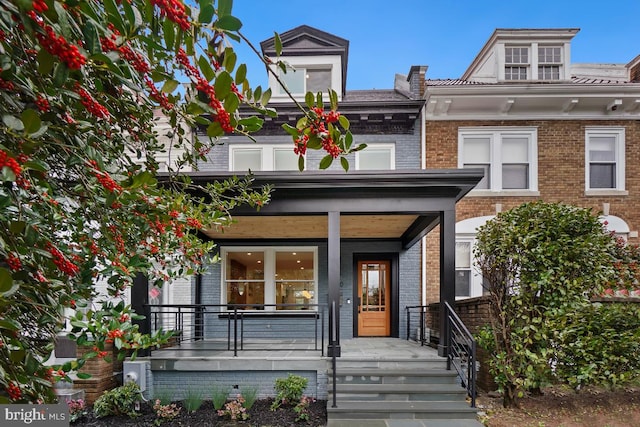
column 314, row 227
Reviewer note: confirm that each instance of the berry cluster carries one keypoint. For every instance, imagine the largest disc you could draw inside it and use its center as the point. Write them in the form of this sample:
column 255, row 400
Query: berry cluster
column 14, row 392
column 92, row 106
column 6, row 85
column 319, row 128
column 155, row 94
column 39, row 6
column 63, row 264
column 10, row 162
column 107, row 182
column 112, row 335
column 134, row 58
column 194, row 223
column 300, row 147
column 13, row 262
column 42, row 104
column 202, row 85
column 175, row 11
column 57, row 45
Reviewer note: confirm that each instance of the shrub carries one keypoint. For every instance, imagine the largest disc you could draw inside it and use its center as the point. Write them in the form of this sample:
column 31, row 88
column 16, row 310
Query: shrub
column 165, row 412
column 193, row 400
column 235, row 410
column 302, row 408
column 119, row 401
column 289, row 390
column 77, row 409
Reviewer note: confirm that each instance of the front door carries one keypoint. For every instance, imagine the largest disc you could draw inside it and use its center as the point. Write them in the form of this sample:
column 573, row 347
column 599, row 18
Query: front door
column 374, row 308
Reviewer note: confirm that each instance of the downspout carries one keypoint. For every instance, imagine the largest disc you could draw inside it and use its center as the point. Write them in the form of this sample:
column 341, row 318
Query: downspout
column 423, row 165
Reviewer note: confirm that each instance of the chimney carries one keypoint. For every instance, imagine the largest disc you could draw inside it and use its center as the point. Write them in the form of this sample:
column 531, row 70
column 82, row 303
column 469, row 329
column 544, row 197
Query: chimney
column 416, row 79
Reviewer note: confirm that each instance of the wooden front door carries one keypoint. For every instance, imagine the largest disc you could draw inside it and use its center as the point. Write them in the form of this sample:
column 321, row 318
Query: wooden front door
column 374, row 308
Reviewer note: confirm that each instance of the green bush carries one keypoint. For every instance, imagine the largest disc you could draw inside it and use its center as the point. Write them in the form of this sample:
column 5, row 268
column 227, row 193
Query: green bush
column 289, row 390
column 193, row 400
column 119, row 401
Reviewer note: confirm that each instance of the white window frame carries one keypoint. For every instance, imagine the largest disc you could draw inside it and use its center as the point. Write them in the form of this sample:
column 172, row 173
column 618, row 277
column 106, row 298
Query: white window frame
column 267, row 155
column 383, row 146
column 328, row 62
column 526, row 65
column 475, row 285
column 269, row 264
column 619, row 134
column 495, row 135
column 542, row 64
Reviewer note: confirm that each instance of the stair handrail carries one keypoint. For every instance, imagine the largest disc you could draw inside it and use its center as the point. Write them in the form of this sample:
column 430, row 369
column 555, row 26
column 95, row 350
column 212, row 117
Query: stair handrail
column 461, row 351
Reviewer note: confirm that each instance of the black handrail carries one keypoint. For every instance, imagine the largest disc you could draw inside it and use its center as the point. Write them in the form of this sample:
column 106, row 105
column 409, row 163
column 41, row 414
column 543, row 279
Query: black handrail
column 461, row 352
column 422, row 314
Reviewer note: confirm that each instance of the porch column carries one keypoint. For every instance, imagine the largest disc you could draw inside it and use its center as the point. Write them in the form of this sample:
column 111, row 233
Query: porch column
column 139, row 298
column 447, row 273
column 333, row 260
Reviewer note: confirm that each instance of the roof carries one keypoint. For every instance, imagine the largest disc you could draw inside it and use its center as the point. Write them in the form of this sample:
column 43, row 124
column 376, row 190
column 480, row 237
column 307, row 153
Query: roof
column 574, row 80
column 374, row 95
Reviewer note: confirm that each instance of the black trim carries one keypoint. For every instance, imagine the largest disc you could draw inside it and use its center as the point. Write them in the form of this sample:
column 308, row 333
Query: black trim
column 394, row 259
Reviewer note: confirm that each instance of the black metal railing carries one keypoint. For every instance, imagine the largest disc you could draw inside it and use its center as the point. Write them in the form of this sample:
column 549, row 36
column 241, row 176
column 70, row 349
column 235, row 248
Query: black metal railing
column 241, row 325
column 461, row 353
column 417, row 324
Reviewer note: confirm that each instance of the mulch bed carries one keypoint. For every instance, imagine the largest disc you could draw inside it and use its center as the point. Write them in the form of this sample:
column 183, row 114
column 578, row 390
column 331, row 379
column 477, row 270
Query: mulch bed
column 260, row 415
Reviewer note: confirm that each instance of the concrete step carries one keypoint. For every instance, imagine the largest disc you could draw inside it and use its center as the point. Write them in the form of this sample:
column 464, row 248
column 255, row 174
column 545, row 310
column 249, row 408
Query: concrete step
column 393, row 363
column 393, row 422
column 376, row 410
column 394, row 376
column 399, row 392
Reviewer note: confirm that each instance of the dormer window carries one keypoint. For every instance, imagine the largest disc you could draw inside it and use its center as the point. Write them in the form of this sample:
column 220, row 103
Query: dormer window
column 549, row 62
column 516, row 63
column 301, row 80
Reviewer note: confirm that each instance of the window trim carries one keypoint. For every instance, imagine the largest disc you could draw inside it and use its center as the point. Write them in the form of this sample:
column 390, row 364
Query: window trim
column 328, row 62
column 269, row 274
column 475, row 277
column 392, row 153
column 525, row 65
column 268, row 155
column 620, row 143
column 495, row 135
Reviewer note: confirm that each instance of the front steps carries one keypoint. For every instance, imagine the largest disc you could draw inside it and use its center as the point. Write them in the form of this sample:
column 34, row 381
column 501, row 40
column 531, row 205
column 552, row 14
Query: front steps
column 396, row 391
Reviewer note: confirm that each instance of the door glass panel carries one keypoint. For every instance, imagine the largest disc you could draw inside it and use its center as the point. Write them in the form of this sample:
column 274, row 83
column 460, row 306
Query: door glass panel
column 373, row 287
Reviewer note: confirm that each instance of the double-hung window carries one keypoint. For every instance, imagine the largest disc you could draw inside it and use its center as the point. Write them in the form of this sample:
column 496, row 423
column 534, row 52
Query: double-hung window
column 605, row 160
column 516, row 63
column 255, row 157
column 549, row 62
column 270, row 278
column 508, row 157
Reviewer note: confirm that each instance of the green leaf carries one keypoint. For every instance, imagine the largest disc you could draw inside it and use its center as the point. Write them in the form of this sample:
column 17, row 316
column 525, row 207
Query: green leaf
column 13, row 122
column 344, row 122
column 326, row 161
column 10, row 325
column 266, row 96
column 277, row 43
column 206, row 14
column 319, row 102
column 290, row 130
column 224, row 7
column 231, row 103
column 241, row 74
column 45, row 62
column 333, row 99
column 228, row 23
column 114, row 15
column 60, row 74
column 170, row 85
column 309, row 99
column 230, row 58
column 83, row 375
column 206, row 68
column 348, row 140
column 169, row 33
column 345, row 163
column 301, row 163
column 31, row 121
column 223, row 85
column 214, row 129
column 17, row 227
column 251, row 124
column 91, row 38
column 63, row 21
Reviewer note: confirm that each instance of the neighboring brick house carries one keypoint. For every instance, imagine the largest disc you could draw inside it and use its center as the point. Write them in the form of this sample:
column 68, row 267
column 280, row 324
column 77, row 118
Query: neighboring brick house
column 542, row 128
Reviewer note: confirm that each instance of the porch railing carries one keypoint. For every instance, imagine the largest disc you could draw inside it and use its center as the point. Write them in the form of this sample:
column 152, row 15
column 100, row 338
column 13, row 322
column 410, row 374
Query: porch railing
column 417, row 324
column 250, row 326
column 461, row 352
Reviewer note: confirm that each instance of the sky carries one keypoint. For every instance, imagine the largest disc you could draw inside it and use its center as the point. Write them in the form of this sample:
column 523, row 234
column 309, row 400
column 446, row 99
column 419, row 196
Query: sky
column 388, row 37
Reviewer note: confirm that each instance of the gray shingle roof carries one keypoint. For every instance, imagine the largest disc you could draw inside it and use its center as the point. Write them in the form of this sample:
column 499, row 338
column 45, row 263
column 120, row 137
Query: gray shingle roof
column 375, row 95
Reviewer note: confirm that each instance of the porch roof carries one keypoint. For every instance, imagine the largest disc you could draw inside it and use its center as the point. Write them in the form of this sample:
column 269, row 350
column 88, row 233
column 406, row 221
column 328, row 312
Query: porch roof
column 402, row 204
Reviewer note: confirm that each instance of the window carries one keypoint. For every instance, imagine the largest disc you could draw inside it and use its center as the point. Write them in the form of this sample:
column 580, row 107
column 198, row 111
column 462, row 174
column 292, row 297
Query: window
column 376, row 157
column 549, row 62
column 605, row 166
column 463, row 269
column 301, row 80
column 256, row 157
column 516, row 63
column 286, row 276
column 508, row 157
column 469, row 281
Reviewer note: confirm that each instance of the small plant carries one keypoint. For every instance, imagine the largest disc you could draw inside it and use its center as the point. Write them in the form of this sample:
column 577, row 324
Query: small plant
column 77, row 409
column 193, row 400
column 165, row 412
column 302, row 408
column 164, row 396
column 289, row 390
column 250, row 395
column 119, row 401
column 219, row 397
column 235, row 410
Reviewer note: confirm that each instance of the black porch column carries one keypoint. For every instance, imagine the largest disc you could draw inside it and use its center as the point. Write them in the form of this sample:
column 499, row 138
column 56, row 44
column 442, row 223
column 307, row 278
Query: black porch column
column 139, row 299
column 447, row 273
column 333, row 259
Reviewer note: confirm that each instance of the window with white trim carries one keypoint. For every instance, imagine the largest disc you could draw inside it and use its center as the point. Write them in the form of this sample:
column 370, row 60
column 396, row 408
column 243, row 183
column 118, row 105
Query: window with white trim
column 516, row 63
column 605, row 159
column 284, row 276
column 300, row 80
column 468, row 281
column 549, row 62
column 376, row 157
column 508, row 157
column 255, row 157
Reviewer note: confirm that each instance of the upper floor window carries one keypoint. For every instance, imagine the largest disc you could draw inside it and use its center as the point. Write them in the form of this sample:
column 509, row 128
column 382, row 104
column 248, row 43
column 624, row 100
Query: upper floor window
column 605, row 162
column 549, row 62
column 255, row 157
column 301, row 80
column 508, row 157
column 376, row 157
column 516, row 63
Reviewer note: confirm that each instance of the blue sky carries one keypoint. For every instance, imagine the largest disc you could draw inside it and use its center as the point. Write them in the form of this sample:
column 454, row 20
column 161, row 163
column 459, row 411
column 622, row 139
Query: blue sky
column 387, row 37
